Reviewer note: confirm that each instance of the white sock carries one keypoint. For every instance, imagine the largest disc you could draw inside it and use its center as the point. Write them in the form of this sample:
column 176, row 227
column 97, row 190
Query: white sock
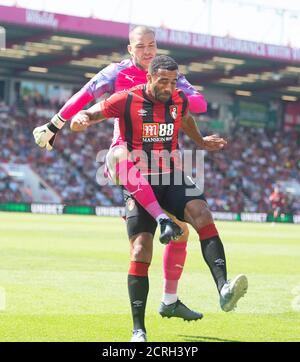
column 161, row 216
column 169, row 298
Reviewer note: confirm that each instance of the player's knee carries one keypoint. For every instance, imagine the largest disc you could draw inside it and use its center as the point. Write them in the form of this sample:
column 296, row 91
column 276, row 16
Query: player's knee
column 119, row 153
column 141, row 249
column 204, row 217
column 141, row 253
column 116, row 155
column 113, row 157
column 198, row 214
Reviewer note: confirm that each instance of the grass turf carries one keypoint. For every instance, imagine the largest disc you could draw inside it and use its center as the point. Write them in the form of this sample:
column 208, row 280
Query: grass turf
column 64, row 278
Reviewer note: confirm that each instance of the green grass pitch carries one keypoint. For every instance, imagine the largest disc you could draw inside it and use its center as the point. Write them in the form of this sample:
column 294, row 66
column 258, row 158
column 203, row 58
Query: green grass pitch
column 63, row 278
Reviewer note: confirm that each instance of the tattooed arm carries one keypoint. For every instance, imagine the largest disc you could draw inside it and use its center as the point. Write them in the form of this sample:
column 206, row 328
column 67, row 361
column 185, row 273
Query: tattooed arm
column 87, row 118
column 208, row 143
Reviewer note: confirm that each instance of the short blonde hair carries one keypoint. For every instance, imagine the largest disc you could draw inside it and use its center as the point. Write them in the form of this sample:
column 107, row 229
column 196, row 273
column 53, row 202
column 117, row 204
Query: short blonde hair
column 139, row 29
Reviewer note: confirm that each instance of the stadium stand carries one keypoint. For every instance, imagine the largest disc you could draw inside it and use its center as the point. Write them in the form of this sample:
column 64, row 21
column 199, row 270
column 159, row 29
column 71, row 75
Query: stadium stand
column 51, row 52
column 240, row 178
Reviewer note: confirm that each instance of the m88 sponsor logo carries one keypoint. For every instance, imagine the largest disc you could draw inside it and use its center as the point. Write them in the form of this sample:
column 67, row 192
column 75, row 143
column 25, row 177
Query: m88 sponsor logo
column 158, row 130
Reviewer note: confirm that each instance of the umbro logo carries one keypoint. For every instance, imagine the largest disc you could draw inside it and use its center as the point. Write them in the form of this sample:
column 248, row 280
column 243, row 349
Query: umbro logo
column 142, row 112
column 137, row 303
column 219, row 262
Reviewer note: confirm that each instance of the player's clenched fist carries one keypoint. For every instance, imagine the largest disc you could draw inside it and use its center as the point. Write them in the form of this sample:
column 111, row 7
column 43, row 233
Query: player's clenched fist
column 44, row 136
column 80, row 122
column 213, row 143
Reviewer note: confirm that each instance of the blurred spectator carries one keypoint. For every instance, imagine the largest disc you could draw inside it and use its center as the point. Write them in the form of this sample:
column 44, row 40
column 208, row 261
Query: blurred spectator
column 278, row 202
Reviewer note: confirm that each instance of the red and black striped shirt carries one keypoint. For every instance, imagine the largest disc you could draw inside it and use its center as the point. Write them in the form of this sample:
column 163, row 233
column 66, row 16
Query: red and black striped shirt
column 145, row 124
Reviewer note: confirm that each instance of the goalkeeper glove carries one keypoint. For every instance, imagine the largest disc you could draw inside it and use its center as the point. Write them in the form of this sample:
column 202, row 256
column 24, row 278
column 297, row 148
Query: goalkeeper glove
column 44, row 136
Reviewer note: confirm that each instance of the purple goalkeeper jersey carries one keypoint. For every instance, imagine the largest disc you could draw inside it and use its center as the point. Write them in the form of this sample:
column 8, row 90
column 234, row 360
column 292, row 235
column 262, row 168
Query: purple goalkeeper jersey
column 104, row 81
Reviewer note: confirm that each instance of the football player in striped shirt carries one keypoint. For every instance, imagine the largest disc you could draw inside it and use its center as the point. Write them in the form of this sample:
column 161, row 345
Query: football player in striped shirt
column 166, row 112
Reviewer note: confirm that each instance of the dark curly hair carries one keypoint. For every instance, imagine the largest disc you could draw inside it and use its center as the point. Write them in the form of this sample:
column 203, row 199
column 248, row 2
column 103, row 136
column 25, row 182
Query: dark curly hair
column 162, row 62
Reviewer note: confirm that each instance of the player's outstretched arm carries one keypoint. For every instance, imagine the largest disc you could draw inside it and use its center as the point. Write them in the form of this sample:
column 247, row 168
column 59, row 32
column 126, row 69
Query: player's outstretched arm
column 208, row 143
column 87, row 118
column 113, row 107
column 103, row 82
column 45, row 135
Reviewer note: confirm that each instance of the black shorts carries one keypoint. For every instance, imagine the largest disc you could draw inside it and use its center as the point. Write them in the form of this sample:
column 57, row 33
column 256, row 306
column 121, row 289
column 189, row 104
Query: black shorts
column 171, row 197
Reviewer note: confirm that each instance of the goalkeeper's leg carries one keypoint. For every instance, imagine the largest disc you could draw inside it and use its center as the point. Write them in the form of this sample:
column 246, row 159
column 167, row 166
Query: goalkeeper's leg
column 173, row 263
column 123, row 171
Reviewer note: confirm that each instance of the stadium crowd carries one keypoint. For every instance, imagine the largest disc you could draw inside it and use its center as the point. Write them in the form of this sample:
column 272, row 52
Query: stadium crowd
column 239, row 178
